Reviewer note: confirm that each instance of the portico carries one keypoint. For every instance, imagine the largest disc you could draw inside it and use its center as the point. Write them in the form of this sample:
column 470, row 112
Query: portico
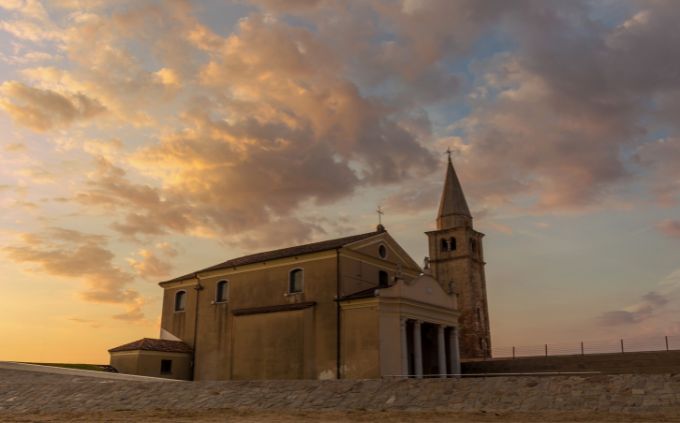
column 428, row 349
column 417, row 334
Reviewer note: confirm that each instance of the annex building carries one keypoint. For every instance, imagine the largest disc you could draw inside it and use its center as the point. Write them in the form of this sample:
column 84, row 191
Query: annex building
column 354, row 307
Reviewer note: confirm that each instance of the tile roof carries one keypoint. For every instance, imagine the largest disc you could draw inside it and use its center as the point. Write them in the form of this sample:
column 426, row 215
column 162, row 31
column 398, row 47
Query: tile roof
column 314, row 247
column 364, row 293
column 273, row 309
column 148, row 344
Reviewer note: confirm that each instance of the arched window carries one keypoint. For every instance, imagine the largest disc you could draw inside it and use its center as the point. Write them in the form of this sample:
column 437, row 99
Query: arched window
column 295, row 281
column 383, row 279
column 452, row 244
column 180, row 300
column 222, row 292
column 445, row 245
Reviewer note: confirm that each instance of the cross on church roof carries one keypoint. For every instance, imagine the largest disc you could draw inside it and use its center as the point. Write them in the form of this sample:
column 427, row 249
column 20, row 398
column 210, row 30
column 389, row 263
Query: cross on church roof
column 448, row 152
column 380, row 213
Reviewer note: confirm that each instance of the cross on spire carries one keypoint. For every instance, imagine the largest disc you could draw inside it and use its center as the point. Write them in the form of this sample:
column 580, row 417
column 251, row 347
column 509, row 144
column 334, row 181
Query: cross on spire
column 448, row 152
column 380, row 214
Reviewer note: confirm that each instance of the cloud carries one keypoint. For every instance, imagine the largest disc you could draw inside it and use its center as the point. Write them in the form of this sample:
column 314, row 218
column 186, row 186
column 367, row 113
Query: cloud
column 45, row 109
column 655, row 310
column 570, row 110
column 661, row 157
column 650, row 305
column 414, row 198
column 28, row 58
column 276, row 141
column 228, row 130
column 670, row 228
column 149, row 266
column 76, row 255
column 32, row 9
column 28, row 20
column 280, row 232
column 107, row 149
column 148, row 212
column 15, row 147
column 92, row 323
column 552, row 128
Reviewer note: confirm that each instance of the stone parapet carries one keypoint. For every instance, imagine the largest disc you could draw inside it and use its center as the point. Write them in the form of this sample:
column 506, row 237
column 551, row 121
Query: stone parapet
column 30, row 392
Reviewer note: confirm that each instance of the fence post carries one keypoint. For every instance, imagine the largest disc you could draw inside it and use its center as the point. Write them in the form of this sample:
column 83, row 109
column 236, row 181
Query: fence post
column 513, row 352
column 581, row 347
column 666, row 342
column 622, row 346
column 546, row 350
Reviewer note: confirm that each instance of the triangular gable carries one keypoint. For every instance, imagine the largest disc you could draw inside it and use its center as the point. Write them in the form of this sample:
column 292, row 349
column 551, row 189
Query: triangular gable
column 424, row 289
column 395, row 253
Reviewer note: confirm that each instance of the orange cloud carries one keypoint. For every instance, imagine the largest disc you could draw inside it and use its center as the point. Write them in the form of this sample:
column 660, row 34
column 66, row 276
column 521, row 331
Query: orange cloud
column 75, row 255
column 42, row 109
column 149, row 266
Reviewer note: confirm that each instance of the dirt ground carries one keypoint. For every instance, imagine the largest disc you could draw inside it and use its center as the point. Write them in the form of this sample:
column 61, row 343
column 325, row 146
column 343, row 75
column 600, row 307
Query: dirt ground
column 213, row 416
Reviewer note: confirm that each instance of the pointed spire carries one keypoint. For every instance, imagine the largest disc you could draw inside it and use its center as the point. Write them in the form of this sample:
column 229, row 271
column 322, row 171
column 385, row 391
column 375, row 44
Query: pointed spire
column 452, row 204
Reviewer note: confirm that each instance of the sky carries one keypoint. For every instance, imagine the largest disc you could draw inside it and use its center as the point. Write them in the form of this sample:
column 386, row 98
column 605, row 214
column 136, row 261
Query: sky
column 143, row 139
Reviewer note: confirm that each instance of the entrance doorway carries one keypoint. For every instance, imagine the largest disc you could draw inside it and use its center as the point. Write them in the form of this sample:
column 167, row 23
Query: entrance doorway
column 430, row 350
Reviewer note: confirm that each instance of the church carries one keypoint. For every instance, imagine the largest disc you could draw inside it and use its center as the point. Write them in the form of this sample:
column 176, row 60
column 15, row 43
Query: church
column 356, row 307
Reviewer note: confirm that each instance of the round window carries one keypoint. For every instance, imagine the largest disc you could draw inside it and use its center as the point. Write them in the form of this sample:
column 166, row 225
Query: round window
column 382, row 251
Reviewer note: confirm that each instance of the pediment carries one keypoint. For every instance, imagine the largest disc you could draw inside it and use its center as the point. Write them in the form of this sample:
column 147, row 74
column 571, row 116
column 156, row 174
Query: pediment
column 394, row 252
column 423, row 289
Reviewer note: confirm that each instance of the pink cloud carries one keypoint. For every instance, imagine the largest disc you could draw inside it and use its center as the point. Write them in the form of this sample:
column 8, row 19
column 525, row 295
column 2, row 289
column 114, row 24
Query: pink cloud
column 670, row 228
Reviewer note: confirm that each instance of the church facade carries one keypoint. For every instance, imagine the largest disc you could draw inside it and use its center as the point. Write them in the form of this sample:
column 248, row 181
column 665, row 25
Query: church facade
column 354, row 307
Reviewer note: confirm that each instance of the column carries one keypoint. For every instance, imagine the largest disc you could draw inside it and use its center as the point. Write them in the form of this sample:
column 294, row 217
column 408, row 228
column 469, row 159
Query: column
column 417, row 350
column 455, row 353
column 404, row 348
column 441, row 349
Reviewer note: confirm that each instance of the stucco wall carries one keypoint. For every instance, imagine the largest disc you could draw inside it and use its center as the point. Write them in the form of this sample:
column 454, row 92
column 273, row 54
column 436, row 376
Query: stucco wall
column 272, row 345
column 253, row 286
column 226, row 343
column 222, row 344
column 360, row 354
column 126, row 362
column 148, row 363
column 390, row 345
column 180, row 323
column 359, row 268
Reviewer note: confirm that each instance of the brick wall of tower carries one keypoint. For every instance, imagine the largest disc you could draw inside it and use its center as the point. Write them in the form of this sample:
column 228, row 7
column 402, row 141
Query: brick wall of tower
column 461, row 272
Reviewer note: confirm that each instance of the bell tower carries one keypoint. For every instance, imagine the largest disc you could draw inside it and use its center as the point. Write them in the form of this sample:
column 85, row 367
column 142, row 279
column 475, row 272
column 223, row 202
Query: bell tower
column 457, row 262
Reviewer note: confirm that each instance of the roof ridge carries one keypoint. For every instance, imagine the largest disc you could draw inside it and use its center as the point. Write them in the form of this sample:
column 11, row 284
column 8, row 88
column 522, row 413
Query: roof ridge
column 279, row 253
column 153, row 344
column 304, row 245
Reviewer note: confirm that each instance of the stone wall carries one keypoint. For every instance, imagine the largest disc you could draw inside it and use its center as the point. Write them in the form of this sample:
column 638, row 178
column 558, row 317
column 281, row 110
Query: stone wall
column 27, row 392
column 634, row 362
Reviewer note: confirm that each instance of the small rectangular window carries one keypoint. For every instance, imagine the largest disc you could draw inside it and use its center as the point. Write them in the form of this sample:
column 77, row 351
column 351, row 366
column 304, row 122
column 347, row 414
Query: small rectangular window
column 180, row 300
column 383, row 279
column 295, row 281
column 222, row 291
column 166, row 367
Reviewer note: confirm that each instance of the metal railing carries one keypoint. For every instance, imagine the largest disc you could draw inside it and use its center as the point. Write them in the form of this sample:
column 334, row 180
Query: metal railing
column 621, row 345
column 499, row 374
